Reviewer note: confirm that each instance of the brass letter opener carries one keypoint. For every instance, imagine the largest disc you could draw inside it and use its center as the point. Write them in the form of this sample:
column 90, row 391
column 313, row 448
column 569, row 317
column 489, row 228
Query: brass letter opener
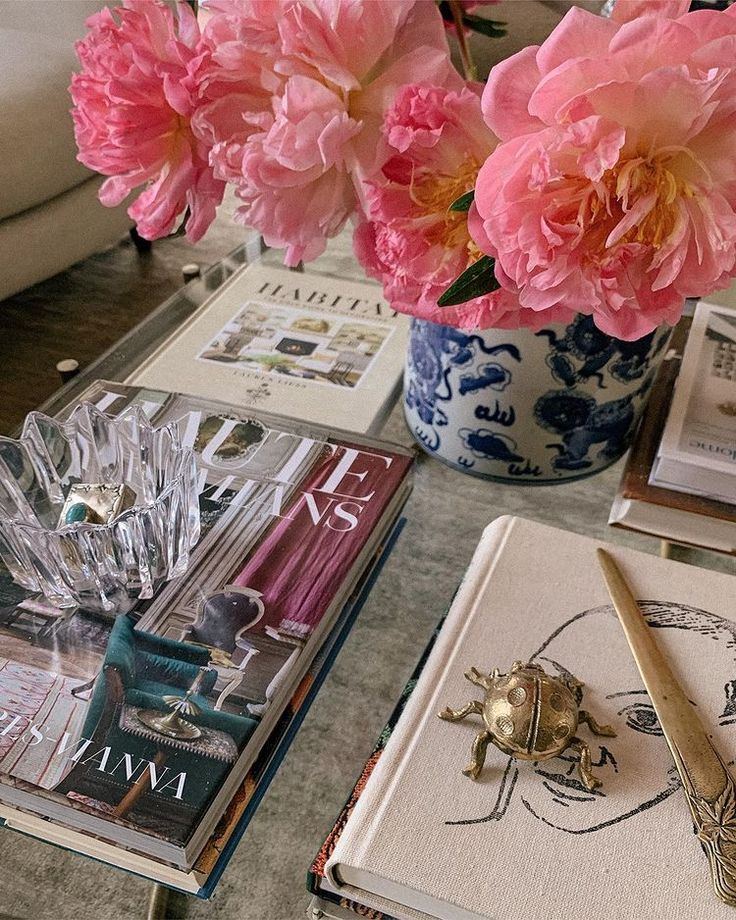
column 706, row 780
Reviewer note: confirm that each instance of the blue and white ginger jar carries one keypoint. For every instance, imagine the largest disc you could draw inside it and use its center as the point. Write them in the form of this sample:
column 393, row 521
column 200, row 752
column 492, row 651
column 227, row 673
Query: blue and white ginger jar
column 519, row 406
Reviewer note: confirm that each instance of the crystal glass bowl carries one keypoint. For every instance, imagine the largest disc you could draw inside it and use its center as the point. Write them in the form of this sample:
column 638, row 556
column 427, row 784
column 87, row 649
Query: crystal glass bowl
column 103, row 567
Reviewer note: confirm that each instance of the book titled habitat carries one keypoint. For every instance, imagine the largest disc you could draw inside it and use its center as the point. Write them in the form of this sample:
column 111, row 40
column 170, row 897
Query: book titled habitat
column 292, row 520
column 318, row 348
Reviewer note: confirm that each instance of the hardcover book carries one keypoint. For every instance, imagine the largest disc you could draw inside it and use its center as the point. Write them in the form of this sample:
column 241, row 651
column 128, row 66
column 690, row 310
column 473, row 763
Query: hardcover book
column 697, row 453
column 292, row 519
column 201, row 880
column 302, row 344
column 329, row 902
column 528, row 839
column 681, row 517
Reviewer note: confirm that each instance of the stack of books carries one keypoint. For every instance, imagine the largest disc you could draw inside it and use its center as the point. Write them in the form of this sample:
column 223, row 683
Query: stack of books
column 296, row 520
column 679, row 482
column 697, row 452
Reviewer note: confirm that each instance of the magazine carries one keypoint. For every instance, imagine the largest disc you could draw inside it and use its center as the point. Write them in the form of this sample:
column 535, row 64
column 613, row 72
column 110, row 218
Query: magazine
column 291, row 519
column 304, row 344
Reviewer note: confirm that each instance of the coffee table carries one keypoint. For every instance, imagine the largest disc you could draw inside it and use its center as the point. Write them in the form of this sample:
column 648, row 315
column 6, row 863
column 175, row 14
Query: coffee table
column 129, row 352
column 445, row 517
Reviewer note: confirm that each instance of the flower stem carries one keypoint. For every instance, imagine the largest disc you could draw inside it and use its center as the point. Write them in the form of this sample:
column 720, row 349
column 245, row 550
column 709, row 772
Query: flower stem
column 469, row 68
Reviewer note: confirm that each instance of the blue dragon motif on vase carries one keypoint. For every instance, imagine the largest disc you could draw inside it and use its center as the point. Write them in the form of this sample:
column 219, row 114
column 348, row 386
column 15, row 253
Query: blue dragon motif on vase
column 435, row 352
column 583, row 352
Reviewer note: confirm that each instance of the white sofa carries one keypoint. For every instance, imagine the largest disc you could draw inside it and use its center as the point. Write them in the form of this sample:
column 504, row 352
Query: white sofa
column 49, row 213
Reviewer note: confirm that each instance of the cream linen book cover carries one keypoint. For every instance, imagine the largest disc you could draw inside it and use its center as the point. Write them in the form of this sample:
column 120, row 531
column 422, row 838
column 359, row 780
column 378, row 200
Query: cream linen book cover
column 302, row 344
column 527, row 841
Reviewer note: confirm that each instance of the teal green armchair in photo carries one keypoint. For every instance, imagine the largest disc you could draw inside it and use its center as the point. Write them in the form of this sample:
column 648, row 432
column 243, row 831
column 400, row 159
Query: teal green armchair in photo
column 139, row 670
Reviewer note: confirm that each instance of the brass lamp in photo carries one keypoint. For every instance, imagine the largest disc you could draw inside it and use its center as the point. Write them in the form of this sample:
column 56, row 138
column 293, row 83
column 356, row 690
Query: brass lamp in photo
column 172, row 724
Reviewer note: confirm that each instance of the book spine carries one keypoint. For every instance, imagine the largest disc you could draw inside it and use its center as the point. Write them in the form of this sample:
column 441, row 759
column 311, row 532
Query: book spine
column 317, row 869
column 371, row 806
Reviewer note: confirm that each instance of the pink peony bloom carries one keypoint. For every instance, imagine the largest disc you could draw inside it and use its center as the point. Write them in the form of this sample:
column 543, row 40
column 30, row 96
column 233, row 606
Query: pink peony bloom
column 133, row 105
column 331, row 68
column 410, row 241
column 239, row 83
column 614, row 190
column 626, row 10
column 295, row 173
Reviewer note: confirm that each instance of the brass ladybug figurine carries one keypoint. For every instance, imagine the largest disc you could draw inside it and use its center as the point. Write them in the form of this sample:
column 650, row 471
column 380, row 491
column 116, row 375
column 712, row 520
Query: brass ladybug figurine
column 530, row 715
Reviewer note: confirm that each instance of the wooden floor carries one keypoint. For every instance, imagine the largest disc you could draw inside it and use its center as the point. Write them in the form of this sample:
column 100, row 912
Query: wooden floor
column 81, row 312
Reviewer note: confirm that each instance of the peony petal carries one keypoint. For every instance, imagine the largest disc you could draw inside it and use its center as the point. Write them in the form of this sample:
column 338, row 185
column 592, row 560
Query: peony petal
column 627, row 10
column 505, row 101
column 563, row 94
column 651, row 41
column 578, row 31
column 632, row 218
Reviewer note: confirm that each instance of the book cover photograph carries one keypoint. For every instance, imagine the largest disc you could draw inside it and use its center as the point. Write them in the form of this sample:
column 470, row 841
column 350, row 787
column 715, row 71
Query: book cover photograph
column 417, row 826
column 96, row 712
column 297, row 343
column 300, row 343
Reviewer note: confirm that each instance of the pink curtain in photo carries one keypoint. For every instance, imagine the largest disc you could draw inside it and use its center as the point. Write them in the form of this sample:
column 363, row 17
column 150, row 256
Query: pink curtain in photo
column 300, row 566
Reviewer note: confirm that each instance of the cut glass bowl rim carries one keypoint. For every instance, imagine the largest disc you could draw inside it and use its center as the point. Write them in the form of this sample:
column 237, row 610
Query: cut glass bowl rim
column 134, row 412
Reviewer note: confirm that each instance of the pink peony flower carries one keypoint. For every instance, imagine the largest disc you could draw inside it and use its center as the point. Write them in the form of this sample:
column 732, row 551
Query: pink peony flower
column 239, row 82
column 331, row 69
column 296, row 173
column 133, row 104
column 234, row 84
column 410, row 241
column 614, row 190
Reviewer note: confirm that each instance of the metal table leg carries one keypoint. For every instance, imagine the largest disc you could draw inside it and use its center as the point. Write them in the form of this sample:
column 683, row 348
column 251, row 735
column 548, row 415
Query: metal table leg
column 158, row 903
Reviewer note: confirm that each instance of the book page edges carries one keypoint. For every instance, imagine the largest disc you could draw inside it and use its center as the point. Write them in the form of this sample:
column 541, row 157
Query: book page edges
column 682, row 388
column 95, row 848
column 673, row 524
column 365, row 821
column 390, row 904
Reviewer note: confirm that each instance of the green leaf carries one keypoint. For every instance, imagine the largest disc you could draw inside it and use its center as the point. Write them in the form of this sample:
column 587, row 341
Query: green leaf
column 489, row 27
column 463, row 202
column 477, row 279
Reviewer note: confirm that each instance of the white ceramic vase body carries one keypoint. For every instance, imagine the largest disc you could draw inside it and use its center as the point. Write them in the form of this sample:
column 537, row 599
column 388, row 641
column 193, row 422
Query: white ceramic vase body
column 519, row 406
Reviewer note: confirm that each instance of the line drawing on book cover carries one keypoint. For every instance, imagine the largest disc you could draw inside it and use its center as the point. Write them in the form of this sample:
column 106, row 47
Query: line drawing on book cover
column 320, row 348
column 638, row 758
